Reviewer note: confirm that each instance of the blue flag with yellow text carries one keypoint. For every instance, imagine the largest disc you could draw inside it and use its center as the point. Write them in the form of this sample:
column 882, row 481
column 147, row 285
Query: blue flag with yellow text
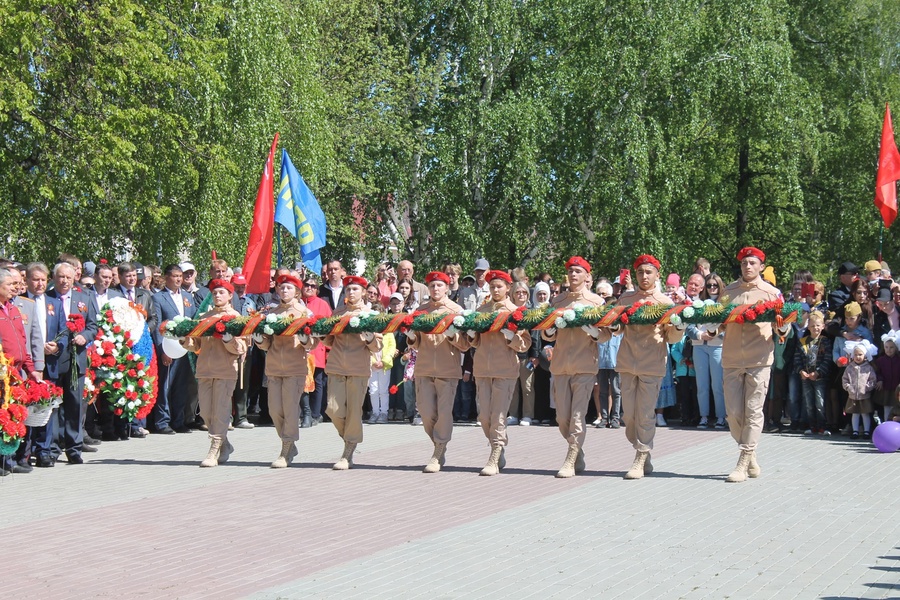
column 299, row 212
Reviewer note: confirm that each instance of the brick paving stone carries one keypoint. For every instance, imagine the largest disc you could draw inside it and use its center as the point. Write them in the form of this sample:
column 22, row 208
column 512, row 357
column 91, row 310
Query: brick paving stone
column 814, row 525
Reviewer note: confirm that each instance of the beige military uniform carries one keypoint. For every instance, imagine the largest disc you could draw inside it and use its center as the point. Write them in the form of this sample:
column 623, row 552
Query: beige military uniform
column 574, row 368
column 437, row 373
column 348, row 369
column 641, row 364
column 496, row 371
column 747, row 355
column 286, row 370
column 217, row 371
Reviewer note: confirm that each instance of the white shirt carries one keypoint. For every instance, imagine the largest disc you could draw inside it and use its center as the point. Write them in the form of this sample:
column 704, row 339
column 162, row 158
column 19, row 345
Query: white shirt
column 178, row 300
column 40, row 313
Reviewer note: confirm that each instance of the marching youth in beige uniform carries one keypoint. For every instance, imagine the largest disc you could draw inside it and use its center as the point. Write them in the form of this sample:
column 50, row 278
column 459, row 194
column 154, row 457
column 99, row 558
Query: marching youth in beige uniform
column 747, row 355
column 286, row 368
column 497, row 370
column 641, row 364
column 348, row 369
column 218, row 358
column 438, row 362
column 574, row 365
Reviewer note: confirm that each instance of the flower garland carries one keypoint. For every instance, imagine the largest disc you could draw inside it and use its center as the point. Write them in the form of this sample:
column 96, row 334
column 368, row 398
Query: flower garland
column 120, row 367
column 540, row 318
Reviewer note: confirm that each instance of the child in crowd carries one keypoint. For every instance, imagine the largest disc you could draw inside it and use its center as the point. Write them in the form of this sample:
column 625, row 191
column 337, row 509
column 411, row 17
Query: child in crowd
column 397, row 409
column 610, row 413
column 674, row 290
column 812, row 362
column 887, row 366
column 859, row 381
column 380, row 379
column 685, row 381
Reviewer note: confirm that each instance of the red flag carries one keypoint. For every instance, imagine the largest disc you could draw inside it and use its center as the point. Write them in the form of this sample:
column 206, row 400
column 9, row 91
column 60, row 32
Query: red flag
column 888, row 172
column 258, row 259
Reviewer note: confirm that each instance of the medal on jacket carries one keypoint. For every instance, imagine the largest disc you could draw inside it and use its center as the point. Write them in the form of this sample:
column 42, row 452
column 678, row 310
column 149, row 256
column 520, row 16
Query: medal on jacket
column 50, row 310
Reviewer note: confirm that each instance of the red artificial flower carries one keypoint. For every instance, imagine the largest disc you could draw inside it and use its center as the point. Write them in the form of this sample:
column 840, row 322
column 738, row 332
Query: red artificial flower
column 140, row 366
column 145, row 396
column 843, row 361
column 103, row 384
column 393, row 389
column 118, row 412
column 129, row 343
column 518, row 314
column 512, row 326
column 109, row 315
column 95, row 360
column 129, row 357
column 109, row 361
column 121, row 368
column 127, row 335
column 117, row 385
column 116, row 329
column 220, row 327
column 624, row 319
column 739, row 319
column 750, row 314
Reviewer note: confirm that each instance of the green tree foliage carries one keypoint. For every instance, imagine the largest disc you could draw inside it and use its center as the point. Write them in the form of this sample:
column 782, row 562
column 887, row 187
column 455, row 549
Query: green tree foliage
column 522, row 131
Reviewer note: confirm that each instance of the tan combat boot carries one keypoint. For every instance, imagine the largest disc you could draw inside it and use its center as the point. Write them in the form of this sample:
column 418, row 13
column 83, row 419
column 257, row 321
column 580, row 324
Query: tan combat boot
column 640, row 467
column 346, row 460
column 568, row 468
column 288, row 452
column 740, row 471
column 579, row 461
column 437, row 459
column 225, row 451
column 753, row 470
column 493, row 465
column 211, row 460
column 501, row 464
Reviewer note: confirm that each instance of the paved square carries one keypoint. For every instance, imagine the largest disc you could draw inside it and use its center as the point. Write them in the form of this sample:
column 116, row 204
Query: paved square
column 140, row 519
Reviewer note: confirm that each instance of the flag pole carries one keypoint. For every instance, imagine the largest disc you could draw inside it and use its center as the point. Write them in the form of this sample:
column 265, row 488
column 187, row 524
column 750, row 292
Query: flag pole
column 278, row 254
column 880, row 242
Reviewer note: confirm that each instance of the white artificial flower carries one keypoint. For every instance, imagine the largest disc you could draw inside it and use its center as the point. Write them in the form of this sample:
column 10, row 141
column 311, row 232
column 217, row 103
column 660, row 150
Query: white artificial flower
column 458, row 321
column 560, row 323
column 271, row 318
column 120, row 375
column 709, row 302
column 268, row 330
column 467, row 312
column 577, row 306
column 130, row 405
column 121, row 402
column 698, row 304
column 688, row 312
column 569, row 315
column 354, row 321
column 99, row 350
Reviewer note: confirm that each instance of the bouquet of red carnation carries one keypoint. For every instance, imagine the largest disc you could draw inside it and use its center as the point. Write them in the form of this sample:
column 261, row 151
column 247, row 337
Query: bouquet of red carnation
column 12, row 423
column 843, row 361
column 75, row 323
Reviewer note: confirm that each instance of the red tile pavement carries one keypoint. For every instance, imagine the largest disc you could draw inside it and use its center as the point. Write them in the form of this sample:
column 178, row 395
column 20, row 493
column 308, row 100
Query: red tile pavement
column 228, row 540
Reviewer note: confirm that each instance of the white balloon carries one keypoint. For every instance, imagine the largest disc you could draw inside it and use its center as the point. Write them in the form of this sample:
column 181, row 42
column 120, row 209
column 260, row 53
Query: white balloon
column 172, row 348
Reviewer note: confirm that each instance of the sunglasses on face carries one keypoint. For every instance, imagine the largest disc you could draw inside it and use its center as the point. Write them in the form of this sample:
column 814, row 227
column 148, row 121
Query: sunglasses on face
column 310, row 285
column 710, row 286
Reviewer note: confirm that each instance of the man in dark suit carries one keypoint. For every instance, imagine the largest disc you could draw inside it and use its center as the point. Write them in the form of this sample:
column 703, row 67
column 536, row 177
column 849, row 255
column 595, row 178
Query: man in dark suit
column 51, row 319
column 72, row 360
column 128, row 286
column 332, row 291
column 177, row 384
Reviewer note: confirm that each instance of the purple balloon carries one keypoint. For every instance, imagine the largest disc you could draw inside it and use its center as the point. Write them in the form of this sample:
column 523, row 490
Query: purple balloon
column 886, row 436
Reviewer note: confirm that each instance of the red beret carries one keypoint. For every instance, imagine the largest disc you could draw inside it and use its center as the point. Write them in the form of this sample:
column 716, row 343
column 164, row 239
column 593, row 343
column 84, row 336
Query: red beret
column 577, row 261
column 645, row 259
column 497, row 274
column 355, row 280
column 751, row 251
column 290, row 279
column 220, row 283
column 437, row 276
